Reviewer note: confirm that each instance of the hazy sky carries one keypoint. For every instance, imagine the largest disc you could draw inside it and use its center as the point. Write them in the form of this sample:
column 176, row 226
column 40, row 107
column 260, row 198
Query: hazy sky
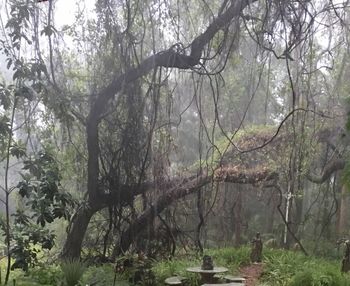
column 64, row 14
column 65, row 10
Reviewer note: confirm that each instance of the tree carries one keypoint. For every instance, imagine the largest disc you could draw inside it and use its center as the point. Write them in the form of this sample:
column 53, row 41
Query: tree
column 180, row 58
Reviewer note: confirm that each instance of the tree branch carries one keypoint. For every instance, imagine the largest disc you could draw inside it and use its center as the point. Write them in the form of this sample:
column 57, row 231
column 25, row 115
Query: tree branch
column 332, row 167
column 180, row 191
column 174, row 57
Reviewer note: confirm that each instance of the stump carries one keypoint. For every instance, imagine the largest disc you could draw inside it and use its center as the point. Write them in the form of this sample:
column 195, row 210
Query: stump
column 257, row 246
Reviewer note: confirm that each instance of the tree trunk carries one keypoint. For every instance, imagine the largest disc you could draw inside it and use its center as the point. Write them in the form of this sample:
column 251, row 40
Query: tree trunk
column 238, row 219
column 80, row 222
column 271, row 215
column 298, row 214
column 343, row 212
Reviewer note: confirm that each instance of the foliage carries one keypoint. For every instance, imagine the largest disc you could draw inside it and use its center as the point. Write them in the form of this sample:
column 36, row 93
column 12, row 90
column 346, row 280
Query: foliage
column 41, row 187
column 324, row 248
column 346, row 173
column 293, row 268
column 302, row 278
column 168, row 268
column 73, row 270
column 45, row 275
column 101, row 275
column 233, row 257
column 281, row 268
column 224, row 149
column 318, row 278
column 29, row 239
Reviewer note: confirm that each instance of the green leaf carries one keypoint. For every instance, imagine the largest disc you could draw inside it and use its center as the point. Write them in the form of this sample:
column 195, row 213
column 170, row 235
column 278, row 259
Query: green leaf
column 24, row 189
column 17, row 74
column 4, row 125
column 21, row 217
column 18, row 151
column 9, row 63
column 32, row 167
column 25, row 92
column 5, row 99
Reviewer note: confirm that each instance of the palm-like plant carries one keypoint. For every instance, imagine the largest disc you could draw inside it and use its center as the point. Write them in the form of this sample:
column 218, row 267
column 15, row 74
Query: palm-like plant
column 73, row 270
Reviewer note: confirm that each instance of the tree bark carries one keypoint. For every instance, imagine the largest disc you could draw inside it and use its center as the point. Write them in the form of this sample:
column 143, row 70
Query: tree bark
column 78, row 227
column 238, row 219
column 271, row 210
column 343, row 211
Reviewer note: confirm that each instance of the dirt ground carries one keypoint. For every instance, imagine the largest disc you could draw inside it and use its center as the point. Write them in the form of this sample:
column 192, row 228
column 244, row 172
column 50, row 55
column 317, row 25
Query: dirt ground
column 252, row 273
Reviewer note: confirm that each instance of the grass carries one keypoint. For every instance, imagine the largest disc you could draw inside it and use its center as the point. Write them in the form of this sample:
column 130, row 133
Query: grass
column 287, row 268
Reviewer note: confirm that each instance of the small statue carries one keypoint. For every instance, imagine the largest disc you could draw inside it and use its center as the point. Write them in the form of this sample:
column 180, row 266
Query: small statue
column 257, row 245
column 345, row 264
column 207, row 263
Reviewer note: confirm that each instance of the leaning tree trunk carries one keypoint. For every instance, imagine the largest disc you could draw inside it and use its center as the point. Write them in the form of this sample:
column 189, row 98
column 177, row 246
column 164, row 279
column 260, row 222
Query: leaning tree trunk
column 76, row 232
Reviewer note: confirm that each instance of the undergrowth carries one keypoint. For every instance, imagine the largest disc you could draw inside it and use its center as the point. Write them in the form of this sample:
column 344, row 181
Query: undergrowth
column 281, row 268
column 287, row 268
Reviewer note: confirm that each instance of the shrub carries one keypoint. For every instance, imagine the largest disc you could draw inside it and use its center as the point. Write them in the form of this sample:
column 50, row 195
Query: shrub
column 46, row 275
column 103, row 276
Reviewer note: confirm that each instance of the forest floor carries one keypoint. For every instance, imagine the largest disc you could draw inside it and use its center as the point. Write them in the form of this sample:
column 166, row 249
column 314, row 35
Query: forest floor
column 252, row 273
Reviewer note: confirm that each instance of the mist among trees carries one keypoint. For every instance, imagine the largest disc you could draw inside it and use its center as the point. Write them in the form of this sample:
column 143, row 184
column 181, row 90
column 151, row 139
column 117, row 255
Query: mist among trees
column 167, row 128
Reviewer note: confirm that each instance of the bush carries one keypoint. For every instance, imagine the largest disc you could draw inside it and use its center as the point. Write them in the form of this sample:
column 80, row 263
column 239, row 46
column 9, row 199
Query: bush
column 102, row 276
column 46, row 275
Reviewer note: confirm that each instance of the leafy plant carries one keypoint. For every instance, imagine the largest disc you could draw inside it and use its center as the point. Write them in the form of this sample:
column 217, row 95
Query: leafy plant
column 42, row 189
column 45, row 275
column 28, row 240
column 103, row 276
column 73, row 270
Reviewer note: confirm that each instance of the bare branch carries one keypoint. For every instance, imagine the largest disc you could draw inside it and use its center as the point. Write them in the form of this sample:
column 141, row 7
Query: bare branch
column 174, row 57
